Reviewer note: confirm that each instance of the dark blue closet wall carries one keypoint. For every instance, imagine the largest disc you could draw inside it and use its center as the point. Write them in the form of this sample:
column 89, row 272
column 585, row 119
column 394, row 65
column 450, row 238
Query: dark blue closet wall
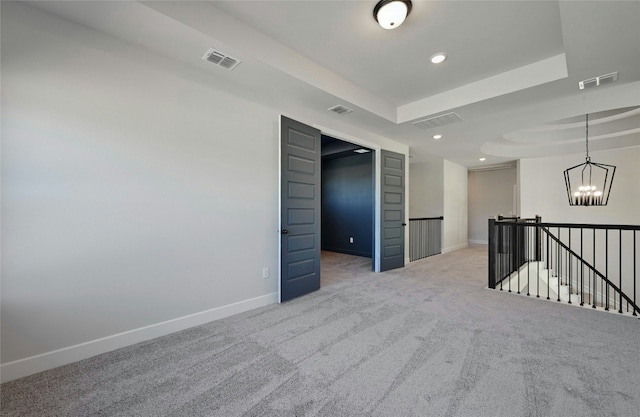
column 347, row 204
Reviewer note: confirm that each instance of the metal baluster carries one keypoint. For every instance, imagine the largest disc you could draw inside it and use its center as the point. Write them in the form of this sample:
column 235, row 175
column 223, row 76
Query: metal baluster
column 528, row 266
column 412, row 236
column 581, row 269
column 422, row 240
column 500, row 259
column 431, row 241
column 569, row 267
column 606, row 266
column 417, row 229
column 517, row 253
column 412, row 240
column 511, row 248
column 425, row 239
column 634, row 273
column 559, row 262
column 620, row 277
column 595, row 283
column 539, row 246
column 548, row 267
column 428, row 244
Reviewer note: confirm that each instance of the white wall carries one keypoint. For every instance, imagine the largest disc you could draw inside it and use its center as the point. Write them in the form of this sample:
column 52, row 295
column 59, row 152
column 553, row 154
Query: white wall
column 455, row 228
column 426, row 189
column 490, row 193
column 135, row 201
column 543, row 191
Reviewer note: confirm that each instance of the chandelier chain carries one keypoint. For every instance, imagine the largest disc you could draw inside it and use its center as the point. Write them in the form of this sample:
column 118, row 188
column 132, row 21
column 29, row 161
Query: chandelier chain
column 587, row 137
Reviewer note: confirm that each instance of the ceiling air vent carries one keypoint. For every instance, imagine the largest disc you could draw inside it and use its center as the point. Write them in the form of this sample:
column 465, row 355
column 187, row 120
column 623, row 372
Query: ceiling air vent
column 340, row 109
column 597, row 81
column 220, row 59
column 437, row 121
column 496, row 167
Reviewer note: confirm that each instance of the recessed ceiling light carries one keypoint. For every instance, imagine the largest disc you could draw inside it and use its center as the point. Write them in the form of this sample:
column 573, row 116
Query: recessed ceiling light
column 361, row 150
column 438, row 58
column 436, row 137
column 482, row 159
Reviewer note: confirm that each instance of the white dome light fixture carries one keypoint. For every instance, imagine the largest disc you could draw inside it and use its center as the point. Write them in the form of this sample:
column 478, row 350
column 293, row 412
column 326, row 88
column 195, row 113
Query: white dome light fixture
column 391, row 13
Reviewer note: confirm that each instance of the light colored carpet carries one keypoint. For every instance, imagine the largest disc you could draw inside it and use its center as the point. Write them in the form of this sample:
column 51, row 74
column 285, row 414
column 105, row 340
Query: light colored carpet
column 340, row 267
column 426, row 340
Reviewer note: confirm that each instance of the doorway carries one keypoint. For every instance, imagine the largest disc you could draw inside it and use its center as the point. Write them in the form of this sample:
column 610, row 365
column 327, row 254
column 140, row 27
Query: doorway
column 348, row 198
column 300, row 207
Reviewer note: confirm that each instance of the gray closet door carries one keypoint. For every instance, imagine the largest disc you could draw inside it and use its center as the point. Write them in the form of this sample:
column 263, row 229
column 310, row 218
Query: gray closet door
column 300, row 209
column 392, row 223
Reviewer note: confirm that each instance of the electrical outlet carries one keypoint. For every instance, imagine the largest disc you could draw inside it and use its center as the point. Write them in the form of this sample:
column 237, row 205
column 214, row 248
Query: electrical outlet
column 351, row 239
column 265, row 272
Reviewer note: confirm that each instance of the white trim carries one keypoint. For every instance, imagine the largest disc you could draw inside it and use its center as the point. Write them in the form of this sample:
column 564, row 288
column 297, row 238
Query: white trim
column 478, row 242
column 456, row 247
column 42, row 362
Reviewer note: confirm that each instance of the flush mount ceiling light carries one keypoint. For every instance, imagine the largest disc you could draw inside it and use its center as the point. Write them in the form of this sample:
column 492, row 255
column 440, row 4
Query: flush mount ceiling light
column 436, row 137
column 482, row 159
column 391, row 13
column 438, row 58
column 589, row 184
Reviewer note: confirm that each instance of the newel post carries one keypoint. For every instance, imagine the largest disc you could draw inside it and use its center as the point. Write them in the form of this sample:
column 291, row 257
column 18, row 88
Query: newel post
column 538, row 242
column 493, row 250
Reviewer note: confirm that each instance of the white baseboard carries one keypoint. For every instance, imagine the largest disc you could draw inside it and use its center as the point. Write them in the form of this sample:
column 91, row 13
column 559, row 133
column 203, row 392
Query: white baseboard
column 456, row 247
column 478, row 242
column 38, row 363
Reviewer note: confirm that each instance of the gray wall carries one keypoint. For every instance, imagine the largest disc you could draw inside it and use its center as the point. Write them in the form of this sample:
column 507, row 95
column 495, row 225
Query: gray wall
column 544, row 177
column 136, row 198
column 426, row 187
column 129, row 197
column 439, row 188
column 455, row 225
column 490, row 193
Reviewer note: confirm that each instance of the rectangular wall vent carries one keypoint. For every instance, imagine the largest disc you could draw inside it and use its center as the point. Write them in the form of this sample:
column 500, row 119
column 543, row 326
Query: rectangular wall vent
column 340, row 109
column 220, row 59
column 437, row 121
column 597, row 81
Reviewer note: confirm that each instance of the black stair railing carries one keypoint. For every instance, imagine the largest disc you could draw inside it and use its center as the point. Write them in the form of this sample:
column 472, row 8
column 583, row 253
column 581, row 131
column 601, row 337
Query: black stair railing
column 591, row 264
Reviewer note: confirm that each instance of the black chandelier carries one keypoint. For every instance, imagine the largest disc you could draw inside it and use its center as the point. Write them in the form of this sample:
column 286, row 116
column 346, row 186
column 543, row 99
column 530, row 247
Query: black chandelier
column 589, row 184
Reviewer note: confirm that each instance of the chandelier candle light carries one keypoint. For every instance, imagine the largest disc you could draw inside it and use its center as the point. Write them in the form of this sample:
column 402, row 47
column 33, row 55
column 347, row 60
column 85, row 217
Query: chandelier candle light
column 592, row 181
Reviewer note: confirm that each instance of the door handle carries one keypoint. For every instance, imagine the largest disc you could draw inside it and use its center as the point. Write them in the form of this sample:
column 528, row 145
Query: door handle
column 404, row 224
column 284, row 231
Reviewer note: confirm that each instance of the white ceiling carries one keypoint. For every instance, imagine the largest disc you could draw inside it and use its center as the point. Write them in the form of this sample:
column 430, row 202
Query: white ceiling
column 512, row 70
